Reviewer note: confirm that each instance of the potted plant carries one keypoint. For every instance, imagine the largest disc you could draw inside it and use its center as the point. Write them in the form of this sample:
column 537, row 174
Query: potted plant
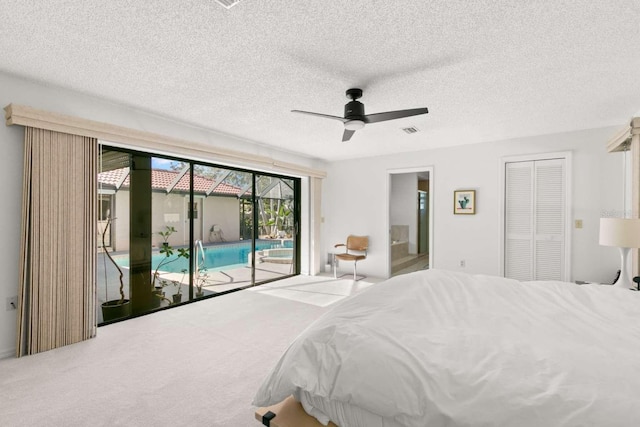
column 158, row 292
column 114, row 309
column 200, row 281
column 157, row 283
column 177, row 296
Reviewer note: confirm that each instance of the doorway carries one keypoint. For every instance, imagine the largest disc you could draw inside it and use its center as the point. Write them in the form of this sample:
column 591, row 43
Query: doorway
column 410, row 202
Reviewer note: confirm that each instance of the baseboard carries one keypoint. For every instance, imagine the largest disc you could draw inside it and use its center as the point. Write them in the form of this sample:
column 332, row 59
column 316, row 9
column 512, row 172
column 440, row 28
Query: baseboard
column 5, row 354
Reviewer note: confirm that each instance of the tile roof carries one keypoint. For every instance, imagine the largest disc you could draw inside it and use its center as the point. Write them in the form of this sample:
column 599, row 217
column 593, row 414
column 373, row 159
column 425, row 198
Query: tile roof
column 162, row 179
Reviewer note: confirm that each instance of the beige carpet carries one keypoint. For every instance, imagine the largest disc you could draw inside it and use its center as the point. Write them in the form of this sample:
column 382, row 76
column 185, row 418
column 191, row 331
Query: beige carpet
column 196, row 365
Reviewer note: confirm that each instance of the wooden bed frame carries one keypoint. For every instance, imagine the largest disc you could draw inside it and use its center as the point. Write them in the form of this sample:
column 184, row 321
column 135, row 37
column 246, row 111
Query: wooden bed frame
column 287, row 413
column 628, row 139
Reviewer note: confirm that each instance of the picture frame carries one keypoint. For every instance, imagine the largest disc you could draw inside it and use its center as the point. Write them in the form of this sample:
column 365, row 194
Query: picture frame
column 464, row 202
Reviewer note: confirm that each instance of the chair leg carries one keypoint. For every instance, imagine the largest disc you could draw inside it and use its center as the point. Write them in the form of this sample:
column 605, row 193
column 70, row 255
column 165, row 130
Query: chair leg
column 355, row 272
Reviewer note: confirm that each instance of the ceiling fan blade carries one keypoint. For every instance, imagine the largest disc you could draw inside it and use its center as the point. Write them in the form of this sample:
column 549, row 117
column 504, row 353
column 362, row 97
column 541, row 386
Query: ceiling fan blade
column 391, row 115
column 342, row 119
column 346, row 136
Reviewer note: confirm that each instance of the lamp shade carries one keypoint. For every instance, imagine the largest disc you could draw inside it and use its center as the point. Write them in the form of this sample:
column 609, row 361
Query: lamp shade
column 620, row 232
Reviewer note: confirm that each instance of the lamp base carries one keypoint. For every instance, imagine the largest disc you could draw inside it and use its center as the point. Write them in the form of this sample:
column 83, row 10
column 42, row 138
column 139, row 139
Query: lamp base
column 624, row 281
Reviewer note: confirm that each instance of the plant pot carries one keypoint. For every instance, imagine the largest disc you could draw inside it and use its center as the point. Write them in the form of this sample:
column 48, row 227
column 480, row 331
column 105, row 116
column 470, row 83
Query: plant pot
column 112, row 310
column 199, row 294
column 177, row 298
column 157, row 297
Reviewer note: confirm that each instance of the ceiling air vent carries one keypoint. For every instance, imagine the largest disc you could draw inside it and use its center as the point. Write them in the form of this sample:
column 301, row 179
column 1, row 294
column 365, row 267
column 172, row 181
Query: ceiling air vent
column 228, row 3
column 411, row 129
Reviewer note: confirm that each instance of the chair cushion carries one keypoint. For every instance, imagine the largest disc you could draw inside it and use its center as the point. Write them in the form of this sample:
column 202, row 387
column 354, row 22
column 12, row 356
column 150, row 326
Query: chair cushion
column 350, row 257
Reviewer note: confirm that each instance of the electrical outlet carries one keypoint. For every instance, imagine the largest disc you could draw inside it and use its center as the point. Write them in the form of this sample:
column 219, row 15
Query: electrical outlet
column 578, row 223
column 462, row 263
column 12, row 303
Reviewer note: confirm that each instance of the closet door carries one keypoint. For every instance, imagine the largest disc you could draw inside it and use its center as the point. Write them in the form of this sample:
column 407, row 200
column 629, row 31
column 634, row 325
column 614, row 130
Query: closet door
column 549, row 219
column 519, row 220
column 535, row 220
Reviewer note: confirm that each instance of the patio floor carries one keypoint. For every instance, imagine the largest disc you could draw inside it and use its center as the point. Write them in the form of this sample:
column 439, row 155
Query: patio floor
column 217, row 281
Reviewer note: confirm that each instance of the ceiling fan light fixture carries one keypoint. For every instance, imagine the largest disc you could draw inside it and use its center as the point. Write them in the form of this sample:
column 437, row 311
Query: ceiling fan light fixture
column 354, row 117
column 354, row 125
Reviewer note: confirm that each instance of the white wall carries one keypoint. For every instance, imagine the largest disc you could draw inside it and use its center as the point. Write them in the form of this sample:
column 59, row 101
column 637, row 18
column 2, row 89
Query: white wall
column 356, row 191
column 10, row 214
column 24, row 92
column 354, row 194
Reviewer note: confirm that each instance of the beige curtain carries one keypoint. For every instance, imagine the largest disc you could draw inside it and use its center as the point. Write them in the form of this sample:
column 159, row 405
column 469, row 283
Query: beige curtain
column 56, row 298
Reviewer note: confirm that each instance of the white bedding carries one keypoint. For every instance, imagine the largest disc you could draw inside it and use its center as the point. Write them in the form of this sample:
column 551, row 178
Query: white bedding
column 436, row 348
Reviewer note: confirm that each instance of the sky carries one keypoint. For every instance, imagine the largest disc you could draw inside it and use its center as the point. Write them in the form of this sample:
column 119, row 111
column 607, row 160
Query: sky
column 158, row 163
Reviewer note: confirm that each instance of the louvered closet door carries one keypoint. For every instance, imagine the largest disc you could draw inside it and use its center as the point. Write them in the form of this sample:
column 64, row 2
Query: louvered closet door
column 519, row 220
column 535, row 220
column 549, row 220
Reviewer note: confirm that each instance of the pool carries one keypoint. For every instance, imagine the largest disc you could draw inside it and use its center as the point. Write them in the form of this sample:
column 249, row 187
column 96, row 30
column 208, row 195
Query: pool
column 218, row 256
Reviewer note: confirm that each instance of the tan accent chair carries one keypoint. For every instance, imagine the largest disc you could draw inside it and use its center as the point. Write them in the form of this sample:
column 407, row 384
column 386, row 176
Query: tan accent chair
column 358, row 244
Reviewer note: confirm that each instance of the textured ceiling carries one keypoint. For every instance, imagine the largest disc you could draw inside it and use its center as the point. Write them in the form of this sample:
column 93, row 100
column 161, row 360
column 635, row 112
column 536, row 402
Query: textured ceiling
column 487, row 70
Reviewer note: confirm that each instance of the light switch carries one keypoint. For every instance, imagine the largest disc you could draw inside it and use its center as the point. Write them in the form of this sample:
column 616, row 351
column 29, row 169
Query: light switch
column 578, row 223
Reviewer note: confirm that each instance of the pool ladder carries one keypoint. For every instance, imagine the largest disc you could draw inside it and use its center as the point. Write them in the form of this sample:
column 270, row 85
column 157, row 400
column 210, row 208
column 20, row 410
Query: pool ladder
column 199, row 251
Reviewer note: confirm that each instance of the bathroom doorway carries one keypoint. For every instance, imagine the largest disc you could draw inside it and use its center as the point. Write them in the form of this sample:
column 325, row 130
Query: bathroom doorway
column 410, row 220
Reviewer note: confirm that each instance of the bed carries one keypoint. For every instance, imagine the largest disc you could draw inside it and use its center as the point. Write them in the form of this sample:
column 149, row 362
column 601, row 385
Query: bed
column 440, row 348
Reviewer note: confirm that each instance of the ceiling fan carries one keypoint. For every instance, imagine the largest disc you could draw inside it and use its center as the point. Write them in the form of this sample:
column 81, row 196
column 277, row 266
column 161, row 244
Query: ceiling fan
column 354, row 117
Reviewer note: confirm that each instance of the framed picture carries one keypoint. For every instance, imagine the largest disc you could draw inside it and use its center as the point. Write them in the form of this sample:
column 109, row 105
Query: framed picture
column 464, row 202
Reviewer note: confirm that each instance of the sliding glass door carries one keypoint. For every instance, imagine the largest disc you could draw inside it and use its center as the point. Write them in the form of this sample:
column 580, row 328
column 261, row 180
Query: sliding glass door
column 173, row 215
column 276, row 243
column 221, row 262
column 187, row 230
column 113, row 296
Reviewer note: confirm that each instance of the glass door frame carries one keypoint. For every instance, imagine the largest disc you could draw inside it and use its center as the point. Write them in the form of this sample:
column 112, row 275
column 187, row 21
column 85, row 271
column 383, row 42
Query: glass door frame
column 296, row 238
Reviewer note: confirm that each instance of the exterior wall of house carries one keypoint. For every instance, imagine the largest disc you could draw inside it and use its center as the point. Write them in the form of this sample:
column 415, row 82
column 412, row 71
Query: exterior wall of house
column 223, row 212
column 120, row 234
column 170, row 210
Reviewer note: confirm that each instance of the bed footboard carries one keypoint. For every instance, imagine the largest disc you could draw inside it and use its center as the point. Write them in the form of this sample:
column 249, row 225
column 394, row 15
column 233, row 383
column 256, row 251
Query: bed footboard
column 287, row 413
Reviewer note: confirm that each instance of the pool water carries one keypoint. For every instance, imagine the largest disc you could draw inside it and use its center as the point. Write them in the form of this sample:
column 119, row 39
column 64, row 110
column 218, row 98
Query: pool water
column 216, row 256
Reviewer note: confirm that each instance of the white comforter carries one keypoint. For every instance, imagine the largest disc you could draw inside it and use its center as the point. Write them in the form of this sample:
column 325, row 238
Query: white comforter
column 437, row 348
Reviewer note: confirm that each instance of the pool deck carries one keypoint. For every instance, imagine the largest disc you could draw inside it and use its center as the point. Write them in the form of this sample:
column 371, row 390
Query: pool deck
column 217, row 281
